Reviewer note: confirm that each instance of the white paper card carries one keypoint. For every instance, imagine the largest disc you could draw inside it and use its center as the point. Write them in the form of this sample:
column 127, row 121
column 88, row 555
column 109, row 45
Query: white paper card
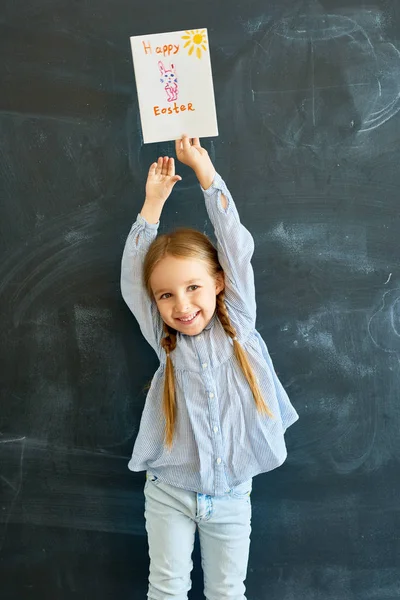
column 174, row 85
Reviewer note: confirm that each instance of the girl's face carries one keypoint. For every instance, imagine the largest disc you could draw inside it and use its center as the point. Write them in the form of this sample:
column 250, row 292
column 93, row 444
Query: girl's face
column 185, row 293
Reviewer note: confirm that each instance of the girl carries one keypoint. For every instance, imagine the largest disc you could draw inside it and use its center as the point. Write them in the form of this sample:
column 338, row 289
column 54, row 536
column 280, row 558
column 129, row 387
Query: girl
column 216, row 413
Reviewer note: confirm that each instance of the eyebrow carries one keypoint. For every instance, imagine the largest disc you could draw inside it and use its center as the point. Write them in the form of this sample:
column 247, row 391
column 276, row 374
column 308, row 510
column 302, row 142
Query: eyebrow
column 190, row 282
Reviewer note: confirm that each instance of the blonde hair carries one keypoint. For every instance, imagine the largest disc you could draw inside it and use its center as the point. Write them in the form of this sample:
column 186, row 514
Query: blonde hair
column 189, row 243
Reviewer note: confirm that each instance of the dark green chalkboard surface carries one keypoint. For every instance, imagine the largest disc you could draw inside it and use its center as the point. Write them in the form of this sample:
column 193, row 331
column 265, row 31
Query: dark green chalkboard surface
column 308, row 103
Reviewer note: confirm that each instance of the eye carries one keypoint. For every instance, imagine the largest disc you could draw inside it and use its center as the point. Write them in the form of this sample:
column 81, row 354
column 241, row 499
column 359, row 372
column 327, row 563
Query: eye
column 165, row 296
column 193, row 286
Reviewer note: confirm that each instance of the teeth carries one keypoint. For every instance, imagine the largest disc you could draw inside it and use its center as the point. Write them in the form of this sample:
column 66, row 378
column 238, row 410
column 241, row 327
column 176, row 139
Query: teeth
column 189, row 318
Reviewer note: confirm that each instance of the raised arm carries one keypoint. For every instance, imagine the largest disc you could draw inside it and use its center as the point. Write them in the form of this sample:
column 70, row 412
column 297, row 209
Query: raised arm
column 139, row 239
column 235, row 247
column 235, row 243
column 161, row 179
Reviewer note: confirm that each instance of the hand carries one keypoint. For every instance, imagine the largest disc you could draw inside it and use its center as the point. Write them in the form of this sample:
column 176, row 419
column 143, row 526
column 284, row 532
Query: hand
column 190, row 153
column 161, row 180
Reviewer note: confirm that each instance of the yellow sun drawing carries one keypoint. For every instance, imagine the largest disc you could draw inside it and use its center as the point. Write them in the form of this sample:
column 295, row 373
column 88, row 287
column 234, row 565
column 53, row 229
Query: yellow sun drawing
column 196, row 39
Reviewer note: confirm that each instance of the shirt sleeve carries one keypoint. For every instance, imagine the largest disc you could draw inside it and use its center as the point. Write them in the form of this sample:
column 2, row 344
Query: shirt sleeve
column 235, row 247
column 133, row 291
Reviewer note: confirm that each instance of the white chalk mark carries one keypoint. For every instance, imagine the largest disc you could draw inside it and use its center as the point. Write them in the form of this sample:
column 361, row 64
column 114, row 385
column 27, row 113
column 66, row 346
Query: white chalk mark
column 392, row 317
column 321, row 244
column 12, row 440
column 386, row 334
column 316, row 28
column 312, row 333
column 8, row 483
column 375, row 100
column 252, row 26
column 389, row 278
column 387, row 103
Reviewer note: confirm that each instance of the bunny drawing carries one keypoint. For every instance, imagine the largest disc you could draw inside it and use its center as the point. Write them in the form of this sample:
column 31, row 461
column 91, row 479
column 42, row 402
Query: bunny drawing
column 170, row 81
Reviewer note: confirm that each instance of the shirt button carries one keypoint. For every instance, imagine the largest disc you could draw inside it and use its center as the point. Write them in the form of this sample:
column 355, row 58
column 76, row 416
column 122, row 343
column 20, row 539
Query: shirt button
column 211, row 395
column 215, row 429
column 204, row 365
column 219, row 461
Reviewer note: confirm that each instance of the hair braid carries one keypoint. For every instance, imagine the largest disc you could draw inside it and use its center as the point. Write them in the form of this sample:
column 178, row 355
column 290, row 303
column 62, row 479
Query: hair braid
column 241, row 355
column 169, row 399
column 223, row 316
column 169, row 342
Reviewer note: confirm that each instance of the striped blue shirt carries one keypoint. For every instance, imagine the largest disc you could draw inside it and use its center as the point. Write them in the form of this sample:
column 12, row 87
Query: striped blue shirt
column 221, row 440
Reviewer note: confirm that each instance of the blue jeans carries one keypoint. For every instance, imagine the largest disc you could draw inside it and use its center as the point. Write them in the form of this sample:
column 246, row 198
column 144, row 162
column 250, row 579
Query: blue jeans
column 224, row 533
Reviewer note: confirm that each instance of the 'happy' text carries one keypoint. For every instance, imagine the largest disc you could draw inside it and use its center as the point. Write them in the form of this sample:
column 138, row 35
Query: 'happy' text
column 166, row 50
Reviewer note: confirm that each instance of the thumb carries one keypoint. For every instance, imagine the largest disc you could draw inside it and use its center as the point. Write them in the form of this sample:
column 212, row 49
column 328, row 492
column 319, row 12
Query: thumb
column 171, row 183
column 175, row 179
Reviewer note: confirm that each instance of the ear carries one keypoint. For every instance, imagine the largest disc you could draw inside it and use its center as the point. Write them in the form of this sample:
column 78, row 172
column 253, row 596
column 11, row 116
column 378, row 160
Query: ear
column 219, row 283
column 161, row 67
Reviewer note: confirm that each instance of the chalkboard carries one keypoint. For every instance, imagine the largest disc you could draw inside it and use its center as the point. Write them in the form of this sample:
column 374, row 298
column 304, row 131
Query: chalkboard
column 308, row 100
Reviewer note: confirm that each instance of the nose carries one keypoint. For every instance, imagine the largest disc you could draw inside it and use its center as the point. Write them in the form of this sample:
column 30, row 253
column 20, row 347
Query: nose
column 181, row 304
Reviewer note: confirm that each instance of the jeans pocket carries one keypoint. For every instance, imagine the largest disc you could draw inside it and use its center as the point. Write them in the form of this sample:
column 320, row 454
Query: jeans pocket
column 243, row 490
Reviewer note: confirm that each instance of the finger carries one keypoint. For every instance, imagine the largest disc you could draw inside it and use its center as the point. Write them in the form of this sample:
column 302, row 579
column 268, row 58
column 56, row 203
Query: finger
column 175, row 180
column 178, row 146
column 185, row 143
column 152, row 170
column 171, row 167
column 196, row 142
column 159, row 165
column 165, row 166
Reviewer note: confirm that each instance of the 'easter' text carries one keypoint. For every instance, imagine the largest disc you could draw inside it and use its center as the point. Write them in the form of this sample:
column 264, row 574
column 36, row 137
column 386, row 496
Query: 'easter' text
column 169, row 110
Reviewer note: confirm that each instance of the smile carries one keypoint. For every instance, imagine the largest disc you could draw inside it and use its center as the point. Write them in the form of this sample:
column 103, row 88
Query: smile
column 189, row 319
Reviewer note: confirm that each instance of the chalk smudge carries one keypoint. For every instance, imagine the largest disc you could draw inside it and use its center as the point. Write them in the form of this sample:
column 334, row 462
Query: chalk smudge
column 323, row 243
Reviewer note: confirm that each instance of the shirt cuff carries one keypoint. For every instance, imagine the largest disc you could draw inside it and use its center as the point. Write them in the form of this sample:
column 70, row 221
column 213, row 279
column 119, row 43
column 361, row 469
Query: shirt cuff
column 217, row 184
column 146, row 225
